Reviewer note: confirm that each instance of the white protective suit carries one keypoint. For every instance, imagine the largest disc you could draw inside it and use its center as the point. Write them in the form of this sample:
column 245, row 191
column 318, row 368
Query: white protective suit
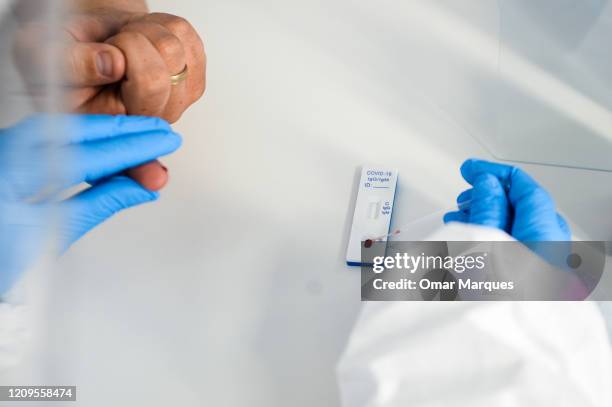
column 13, row 332
column 477, row 353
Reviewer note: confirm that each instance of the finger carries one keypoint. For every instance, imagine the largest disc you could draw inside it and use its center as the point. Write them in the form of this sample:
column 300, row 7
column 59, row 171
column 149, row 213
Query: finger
column 41, row 129
column 522, row 184
column 456, row 217
column 473, row 167
column 146, row 88
column 192, row 89
column 106, row 99
column 535, row 211
column 465, row 196
column 171, row 50
column 95, row 205
column 168, row 45
column 489, row 205
column 464, row 199
column 99, row 159
column 184, row 31
column 86, row 128
column 96, row 26
column 152, row 176
column 93, row 64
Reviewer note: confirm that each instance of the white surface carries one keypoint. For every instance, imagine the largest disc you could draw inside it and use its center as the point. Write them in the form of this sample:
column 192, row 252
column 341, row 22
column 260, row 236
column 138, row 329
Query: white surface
column 229, row 293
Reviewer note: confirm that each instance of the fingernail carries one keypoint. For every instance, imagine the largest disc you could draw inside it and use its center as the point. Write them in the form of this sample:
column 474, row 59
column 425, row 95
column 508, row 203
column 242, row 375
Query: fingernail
column 104, row 62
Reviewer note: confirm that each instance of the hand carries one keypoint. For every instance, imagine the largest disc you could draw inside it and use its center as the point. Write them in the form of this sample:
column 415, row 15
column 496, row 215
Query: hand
column 120, row 62
column 157, row 46
column 36, row 164
column 132, row 69
column 507, row 198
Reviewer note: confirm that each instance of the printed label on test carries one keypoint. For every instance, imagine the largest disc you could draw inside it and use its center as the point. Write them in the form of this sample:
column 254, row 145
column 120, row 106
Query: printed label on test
column 373, row 210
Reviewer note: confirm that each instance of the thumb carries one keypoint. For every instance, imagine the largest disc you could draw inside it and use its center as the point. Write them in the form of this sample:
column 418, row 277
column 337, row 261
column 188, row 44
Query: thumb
column 536, row 216
column 93, row 64
column 489, row 205
column 95, row 205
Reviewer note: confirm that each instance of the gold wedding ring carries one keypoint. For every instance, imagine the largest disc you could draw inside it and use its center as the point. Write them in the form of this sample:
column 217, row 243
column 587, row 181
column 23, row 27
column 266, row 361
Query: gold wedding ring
column 179, row 77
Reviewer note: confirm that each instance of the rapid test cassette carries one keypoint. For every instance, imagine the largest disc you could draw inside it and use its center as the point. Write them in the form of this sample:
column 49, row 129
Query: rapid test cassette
column 373, row 210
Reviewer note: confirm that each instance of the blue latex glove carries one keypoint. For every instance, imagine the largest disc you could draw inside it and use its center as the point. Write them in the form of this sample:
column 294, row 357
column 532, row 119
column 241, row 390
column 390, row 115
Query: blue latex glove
column 507, row 198
column 44, row 155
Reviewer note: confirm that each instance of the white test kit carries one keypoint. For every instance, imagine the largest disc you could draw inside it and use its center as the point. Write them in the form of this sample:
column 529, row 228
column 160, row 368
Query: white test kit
column 373, row 210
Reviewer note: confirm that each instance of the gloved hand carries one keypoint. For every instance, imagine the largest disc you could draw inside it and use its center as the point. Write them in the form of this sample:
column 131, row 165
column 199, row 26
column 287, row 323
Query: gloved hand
column 507, row 198
column 44, row 155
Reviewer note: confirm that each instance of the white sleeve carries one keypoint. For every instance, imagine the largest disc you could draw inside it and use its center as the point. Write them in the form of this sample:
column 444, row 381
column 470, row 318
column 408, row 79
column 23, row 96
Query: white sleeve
column 13, row 334
column 477, row 353
column 15, row 320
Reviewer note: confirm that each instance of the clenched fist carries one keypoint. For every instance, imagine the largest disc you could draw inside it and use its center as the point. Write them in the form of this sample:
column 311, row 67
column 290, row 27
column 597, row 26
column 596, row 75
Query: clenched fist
column 129, row 73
